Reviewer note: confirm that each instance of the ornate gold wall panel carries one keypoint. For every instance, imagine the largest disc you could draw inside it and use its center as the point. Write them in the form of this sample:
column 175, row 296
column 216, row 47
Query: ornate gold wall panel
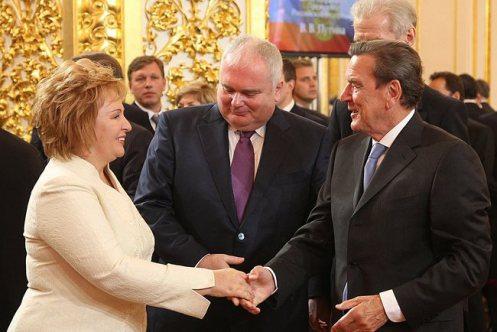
column 99, row 27
column 30, row 46
column 193, row 29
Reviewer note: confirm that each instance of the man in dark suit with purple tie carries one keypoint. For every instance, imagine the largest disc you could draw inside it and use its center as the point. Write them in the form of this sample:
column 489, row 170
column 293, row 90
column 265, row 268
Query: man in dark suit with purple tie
column 227, row 184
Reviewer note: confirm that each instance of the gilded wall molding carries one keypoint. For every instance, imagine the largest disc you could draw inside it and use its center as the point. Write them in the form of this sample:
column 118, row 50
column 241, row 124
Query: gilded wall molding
column 99, row 27
column 186, row 35
column 30, row 47
column 488, row 41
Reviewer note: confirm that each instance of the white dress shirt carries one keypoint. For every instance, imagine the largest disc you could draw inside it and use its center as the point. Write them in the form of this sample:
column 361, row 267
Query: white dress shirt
column 288, row 107
column 257, row 140
column 150, row 114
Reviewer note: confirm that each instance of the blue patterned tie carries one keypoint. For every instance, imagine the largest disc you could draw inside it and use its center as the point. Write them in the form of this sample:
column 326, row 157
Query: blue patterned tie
column 369, row 169
column 242, row 172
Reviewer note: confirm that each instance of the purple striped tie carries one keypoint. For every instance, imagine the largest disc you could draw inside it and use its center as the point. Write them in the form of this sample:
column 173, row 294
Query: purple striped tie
column 242, row 172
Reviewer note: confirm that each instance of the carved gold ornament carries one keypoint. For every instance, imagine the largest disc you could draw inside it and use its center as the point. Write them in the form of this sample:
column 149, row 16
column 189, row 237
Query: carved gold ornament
column 99, row 27
column 30, row 46
column 192, row 29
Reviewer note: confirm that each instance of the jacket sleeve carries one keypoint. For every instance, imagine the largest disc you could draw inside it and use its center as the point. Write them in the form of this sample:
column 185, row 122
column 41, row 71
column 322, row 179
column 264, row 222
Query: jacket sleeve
column 154, row 198
column 134, row 159
column 311, row 249
column 454, row 121
column 70, row 219
column 460, row 234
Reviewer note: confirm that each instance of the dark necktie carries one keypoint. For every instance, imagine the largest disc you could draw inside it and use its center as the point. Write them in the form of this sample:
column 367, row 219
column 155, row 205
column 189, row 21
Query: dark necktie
column 242, row 172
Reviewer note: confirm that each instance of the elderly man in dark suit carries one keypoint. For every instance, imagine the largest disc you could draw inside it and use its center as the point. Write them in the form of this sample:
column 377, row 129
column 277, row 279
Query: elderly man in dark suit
column 20, row 166
column 391, row 20
column 229, row 184
column 403, row 210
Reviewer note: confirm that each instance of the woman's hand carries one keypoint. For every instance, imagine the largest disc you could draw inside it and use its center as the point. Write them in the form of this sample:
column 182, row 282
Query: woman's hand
column 230, row 283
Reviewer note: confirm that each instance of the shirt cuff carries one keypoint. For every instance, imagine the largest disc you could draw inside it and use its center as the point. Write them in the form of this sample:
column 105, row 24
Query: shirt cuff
column 196, row 265
column 274, row 279
column 391, row 306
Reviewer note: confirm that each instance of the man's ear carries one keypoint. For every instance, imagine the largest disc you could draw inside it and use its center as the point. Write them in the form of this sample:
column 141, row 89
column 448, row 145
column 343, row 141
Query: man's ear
column 291, row 84
column 394, row 92
column 277, row 91
column 411, row 36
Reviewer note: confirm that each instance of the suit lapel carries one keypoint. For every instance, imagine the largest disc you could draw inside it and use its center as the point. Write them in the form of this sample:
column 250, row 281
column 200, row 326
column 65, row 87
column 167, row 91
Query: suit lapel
column 143, row 119
column 360, row 156
column 276, row 145
column 213, row 134
column 397, row 158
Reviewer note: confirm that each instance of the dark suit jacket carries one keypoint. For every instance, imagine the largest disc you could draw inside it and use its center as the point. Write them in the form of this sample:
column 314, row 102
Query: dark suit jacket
column 434, row 108
column 135, row 114
column 127, row 168
column 20, row 167
column 487, row 108
column 490, row 120
column 420, row 228
column 310, row 114
column 185, row 195
column 474, row 111
column 481, row 139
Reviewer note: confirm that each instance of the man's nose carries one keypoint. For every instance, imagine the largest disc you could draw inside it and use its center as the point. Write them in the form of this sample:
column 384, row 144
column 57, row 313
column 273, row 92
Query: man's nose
column 236, row 99
column 345, row 96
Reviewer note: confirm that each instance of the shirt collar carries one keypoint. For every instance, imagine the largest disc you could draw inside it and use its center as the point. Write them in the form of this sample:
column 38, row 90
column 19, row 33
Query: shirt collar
column 261, row 131
column 148, row 111
column 288, row 107
column 390, row 137
column 471, row 101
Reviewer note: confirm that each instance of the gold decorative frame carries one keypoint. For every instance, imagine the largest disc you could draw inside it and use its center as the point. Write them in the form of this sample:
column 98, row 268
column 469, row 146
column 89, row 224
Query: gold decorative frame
column 99, row 27
column 192, row 31
column 488, row 41
column 30, row 47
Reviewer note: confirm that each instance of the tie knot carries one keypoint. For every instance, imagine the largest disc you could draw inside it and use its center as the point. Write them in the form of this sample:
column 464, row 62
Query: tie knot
column 377, row 150
column 246, row 134
column 155, row 118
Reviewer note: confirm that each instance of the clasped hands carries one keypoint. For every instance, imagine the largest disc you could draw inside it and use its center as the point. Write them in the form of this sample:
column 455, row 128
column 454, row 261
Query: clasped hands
column 365, row 313
column 246, row 290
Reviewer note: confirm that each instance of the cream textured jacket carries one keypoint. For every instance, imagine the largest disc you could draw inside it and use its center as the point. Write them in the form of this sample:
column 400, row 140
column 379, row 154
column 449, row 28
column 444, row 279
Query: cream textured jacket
column 88, row 258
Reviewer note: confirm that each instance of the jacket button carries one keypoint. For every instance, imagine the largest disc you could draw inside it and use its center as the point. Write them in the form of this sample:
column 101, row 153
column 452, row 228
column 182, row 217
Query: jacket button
column 241, row 236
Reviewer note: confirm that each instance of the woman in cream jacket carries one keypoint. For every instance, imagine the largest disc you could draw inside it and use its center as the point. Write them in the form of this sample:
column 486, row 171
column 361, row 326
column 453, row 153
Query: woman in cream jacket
column 88, row 249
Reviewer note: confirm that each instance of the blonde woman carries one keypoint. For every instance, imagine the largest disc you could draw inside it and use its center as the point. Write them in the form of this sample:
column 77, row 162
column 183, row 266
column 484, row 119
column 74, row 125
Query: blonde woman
column 88, row 249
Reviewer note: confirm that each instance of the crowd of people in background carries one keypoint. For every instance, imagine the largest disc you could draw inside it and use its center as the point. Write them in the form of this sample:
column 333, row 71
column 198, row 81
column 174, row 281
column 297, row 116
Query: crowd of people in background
column 184, row 172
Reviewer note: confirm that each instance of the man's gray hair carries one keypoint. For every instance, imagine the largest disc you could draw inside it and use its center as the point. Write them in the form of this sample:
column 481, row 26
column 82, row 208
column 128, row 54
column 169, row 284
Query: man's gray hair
column 401, row 14
column 243, row 49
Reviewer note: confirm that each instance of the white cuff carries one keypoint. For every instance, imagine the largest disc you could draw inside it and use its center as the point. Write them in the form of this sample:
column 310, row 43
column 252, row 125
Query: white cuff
column 391, row 306
column 274, row 279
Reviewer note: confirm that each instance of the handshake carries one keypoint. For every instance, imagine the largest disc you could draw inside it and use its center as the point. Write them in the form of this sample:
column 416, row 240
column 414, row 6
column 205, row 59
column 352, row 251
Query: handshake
column 245, row 290
column 365, row 313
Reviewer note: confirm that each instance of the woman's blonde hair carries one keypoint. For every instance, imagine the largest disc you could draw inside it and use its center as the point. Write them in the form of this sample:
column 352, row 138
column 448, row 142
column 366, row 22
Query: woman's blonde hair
column 67, row 103
column 203, row 91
